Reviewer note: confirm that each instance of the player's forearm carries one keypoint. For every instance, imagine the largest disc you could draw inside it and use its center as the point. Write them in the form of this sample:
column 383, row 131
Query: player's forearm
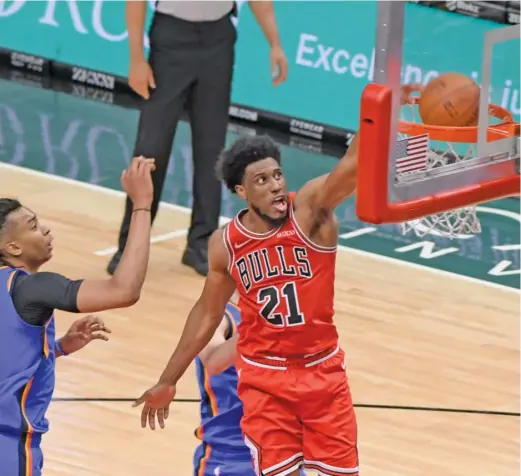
column 264, row 13
column 344, row 174
column 341, row 181
column 135, row 14
column 131, row 271
column 222, row 356
column 198, row 331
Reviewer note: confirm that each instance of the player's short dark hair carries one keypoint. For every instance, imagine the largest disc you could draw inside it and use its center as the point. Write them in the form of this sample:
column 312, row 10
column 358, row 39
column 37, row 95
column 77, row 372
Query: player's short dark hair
column 247, row 150
column 7, row 206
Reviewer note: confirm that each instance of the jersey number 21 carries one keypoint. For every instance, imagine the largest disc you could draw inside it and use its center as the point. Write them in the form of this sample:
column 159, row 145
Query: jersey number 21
column 270, row 299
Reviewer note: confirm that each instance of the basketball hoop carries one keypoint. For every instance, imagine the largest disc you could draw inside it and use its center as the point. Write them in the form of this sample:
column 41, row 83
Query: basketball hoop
column 448, row 146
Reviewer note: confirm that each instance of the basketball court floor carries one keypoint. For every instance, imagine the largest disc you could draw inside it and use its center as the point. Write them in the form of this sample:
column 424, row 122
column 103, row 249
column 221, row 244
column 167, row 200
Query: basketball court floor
column 430, row 326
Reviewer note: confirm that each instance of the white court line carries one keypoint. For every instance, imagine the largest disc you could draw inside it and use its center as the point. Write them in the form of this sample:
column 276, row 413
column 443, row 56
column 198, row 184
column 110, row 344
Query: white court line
column 158, row 238
column 171, row 206
column 154, row 239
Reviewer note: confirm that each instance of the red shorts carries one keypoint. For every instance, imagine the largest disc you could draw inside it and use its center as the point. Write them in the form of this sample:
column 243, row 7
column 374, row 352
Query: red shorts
column 299, row 413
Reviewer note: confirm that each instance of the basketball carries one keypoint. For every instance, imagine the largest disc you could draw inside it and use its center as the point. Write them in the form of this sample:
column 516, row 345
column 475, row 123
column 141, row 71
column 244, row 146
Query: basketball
column 451, row 99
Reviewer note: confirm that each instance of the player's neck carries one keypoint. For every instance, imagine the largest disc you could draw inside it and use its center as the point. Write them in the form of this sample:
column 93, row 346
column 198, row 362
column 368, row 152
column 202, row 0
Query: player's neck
column 19, row 264
column 256, row 224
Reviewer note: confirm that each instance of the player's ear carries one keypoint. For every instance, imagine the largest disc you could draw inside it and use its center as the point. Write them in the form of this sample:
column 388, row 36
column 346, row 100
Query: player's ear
column 12, row 249
column 240, row 191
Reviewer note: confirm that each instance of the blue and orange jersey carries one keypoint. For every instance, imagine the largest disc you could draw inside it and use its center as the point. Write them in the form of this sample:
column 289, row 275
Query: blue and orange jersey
column 221, row 409
column 27, row 369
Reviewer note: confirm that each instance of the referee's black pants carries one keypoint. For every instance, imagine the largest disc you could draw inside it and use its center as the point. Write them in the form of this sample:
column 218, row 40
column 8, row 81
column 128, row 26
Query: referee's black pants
column 193, row 64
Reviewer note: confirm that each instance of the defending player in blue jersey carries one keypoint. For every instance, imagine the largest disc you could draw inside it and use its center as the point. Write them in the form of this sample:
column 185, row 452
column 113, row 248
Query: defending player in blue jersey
column 28, row 353
column 28, row 298
column 222, row 451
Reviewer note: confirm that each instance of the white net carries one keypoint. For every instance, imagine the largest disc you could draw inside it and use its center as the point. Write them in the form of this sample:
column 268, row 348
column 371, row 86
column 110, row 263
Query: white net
column 454, row 223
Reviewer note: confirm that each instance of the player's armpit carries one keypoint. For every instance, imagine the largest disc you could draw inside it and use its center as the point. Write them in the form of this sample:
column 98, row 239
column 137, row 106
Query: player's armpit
column 206, row 315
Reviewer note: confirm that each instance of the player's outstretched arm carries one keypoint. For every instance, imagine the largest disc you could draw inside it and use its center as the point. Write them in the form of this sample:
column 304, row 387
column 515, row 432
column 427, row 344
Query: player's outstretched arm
column 325, row 193
column 219, row 353
column 207, row 312
column 202, row 322
column 124, row 287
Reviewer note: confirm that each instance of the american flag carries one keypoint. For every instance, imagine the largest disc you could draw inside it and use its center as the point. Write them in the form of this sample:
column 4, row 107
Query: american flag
column 411, row 154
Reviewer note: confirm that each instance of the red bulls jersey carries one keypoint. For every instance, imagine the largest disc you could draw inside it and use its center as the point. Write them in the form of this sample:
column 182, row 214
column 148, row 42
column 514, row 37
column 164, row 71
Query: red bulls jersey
column 286, row 288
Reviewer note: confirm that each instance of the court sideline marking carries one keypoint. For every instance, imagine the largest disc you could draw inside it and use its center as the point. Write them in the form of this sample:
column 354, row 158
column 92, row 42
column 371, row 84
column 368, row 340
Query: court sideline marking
column 186, row 210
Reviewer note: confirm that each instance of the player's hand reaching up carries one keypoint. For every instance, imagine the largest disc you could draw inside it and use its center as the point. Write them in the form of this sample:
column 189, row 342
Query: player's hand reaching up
column 407, row 90
column 137, row 181
column 157, row 402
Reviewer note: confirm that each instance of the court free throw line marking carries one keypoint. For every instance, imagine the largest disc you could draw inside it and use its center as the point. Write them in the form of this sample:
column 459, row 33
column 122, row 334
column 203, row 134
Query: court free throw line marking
column 186, row 210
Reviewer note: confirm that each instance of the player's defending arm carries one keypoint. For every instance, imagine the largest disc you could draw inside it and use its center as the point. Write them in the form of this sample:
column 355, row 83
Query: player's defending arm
column 202, row 322
column 124, row 287
column 37, row 295
column 220, row 353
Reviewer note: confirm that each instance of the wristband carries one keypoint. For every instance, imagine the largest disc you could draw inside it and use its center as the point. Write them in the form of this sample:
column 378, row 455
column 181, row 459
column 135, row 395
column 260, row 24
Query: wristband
column 141, row 209
column 59, row 348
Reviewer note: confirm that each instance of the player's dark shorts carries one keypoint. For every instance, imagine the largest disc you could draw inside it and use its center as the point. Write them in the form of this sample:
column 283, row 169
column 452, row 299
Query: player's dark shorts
column 210, row 461
column 20, row 457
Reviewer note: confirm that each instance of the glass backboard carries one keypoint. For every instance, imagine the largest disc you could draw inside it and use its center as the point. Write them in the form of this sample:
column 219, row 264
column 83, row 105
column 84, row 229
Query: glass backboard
column 415, row 43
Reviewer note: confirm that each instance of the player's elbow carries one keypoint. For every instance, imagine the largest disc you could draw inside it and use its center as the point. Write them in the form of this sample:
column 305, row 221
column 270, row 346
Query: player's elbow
column 126, row 297
column 131, row 299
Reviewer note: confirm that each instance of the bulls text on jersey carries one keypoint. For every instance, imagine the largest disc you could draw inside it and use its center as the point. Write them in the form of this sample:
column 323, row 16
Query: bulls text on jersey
column 257, row 265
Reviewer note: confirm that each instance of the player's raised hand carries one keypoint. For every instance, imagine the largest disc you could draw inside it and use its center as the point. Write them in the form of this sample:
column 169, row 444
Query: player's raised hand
column 407, row 90
column 137, row 181
column 157, row 403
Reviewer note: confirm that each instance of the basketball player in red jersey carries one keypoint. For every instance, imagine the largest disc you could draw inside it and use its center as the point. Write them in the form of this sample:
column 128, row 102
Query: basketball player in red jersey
column 279, row 253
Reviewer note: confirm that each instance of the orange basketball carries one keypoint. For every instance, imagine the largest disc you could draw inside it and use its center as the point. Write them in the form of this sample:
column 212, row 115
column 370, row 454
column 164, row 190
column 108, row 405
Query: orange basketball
column 451, row 99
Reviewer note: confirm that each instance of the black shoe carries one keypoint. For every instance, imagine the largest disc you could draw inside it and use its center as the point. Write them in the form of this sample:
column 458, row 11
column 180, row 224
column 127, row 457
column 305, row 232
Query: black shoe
column 113, row 264
column 196, row 259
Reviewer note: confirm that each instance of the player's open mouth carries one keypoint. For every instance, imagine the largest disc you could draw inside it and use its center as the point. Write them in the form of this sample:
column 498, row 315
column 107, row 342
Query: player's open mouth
column 280, row 204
